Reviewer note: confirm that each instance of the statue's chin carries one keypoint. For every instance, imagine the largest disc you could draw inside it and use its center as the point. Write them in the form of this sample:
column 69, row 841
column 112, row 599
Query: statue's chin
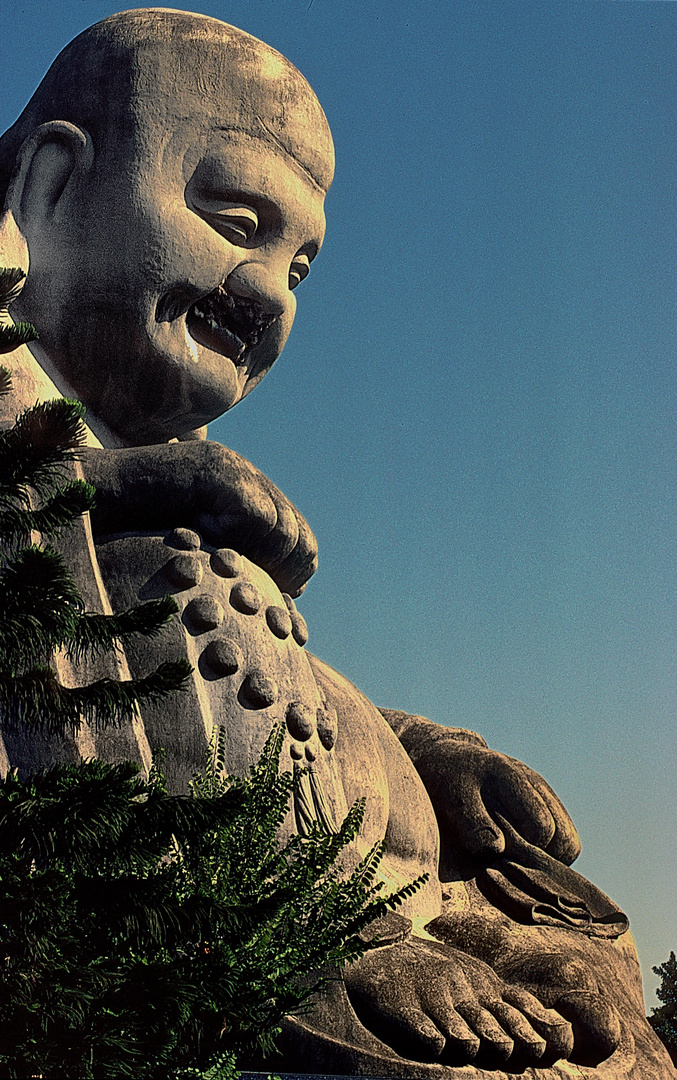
column 145, row 412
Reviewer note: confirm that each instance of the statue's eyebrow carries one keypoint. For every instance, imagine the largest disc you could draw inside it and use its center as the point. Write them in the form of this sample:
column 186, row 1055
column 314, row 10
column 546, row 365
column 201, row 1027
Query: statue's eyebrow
column 271, row 137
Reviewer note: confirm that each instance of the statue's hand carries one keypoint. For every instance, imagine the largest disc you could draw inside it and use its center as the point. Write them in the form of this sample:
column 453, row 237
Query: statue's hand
column 430, row 1002
column 242, row 508
column 209, row 488
column 470, row 785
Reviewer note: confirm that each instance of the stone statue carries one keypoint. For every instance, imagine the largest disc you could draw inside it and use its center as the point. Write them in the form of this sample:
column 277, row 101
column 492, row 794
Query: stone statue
column 164, row 190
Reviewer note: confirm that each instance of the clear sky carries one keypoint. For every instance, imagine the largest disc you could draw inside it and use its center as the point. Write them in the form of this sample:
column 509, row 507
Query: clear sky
column 476, row 408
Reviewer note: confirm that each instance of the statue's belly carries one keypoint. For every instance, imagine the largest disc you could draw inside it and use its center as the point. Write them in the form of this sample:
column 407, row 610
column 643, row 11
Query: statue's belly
column 245, row 641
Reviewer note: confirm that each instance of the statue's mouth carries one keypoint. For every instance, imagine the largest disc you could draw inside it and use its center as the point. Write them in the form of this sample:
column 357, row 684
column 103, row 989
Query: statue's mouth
column 227, row 324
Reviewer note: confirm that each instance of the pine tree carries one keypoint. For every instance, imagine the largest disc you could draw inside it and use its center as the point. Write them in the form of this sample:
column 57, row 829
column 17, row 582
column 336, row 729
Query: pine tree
column 144, row 933
column 40, row 606
column 140, row 933
column 664, row 1019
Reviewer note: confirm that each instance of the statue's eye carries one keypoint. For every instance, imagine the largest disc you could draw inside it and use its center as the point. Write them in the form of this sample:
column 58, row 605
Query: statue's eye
column 236, row 222
column 299, row 269
column 238, row 225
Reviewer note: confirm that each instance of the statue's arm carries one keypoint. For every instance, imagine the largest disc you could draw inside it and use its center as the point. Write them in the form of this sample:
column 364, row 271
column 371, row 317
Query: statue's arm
column 410, row 729
column 207, row 487
column 472, row 786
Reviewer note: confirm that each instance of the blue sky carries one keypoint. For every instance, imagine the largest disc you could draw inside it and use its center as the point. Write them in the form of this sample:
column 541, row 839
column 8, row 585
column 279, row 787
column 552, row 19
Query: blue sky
column 476, row 408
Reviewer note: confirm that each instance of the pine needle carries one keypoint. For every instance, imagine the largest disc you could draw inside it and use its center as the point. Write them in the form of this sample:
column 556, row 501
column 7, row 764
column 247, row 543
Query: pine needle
column 12, row 335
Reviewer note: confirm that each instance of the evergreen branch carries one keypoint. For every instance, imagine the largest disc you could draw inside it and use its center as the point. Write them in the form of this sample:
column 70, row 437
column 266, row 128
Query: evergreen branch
column 37, row 701
column 36, row 572
column 62, row 509
column 43, row 438
column 5, row 380
column 11, row 284
column 39, row 607
column 68, row 812
column 95, row 633
column 12, row 335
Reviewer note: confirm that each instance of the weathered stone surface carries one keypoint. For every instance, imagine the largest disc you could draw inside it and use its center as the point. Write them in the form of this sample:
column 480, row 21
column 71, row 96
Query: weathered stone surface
column 245, row 676
column 160, row 314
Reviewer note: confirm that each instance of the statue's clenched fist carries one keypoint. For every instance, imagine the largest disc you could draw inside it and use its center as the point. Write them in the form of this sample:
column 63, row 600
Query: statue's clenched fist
column 472, row 788
column 209, row 488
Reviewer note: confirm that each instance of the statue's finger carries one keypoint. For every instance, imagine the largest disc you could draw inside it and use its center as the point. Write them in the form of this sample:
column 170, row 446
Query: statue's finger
column 476, row 829
column 565, row 844
column 306, row 548
column 242, row 524
column 511, row 792
column 301, row 563
column 275, row 546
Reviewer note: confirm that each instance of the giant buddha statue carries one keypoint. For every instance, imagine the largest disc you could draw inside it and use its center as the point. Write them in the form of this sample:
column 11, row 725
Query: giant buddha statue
column 164, row 190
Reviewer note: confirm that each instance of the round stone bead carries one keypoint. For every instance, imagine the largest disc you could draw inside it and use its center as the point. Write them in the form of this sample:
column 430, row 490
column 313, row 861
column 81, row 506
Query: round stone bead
column 223, row 656
column 202, row 614
column 296, row 751
column 299, row 628
column 327, row 727
column 226, row 563
column 310, row 754
column 183, row 539
column 279, row 621
column 258, row 691
column 246, row 598
column 184, row 571
column 300, row 721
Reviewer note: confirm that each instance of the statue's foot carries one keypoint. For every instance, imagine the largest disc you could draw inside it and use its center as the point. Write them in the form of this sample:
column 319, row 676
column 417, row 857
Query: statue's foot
column 568, row 985
column 430, row 1002
column 560, row 977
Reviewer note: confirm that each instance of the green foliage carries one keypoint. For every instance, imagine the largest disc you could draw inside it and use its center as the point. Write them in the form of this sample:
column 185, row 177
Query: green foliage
column 140, row 933
column 664, row 1019
column 12, row 334
column 40, row 606
column 149, row 934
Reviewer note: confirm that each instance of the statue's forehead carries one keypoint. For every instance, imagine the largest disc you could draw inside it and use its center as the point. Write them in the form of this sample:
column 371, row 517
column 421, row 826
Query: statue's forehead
column 136, row 78
column 238, row 86
column 246, row 157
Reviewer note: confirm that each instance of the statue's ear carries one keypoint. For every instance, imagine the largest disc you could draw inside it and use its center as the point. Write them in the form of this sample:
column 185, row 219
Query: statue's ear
column 53, row 155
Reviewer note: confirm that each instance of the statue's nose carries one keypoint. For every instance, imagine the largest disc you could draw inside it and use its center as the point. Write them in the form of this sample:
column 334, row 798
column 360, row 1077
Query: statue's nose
column 265, row 285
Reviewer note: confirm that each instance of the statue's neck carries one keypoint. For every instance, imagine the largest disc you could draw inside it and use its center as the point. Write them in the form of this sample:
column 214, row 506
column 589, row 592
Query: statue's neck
column 34, row 378
column 37, row 379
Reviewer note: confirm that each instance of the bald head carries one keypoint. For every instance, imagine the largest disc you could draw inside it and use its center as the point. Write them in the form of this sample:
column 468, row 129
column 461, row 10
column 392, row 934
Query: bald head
column 132, row 75
column 168, row 178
